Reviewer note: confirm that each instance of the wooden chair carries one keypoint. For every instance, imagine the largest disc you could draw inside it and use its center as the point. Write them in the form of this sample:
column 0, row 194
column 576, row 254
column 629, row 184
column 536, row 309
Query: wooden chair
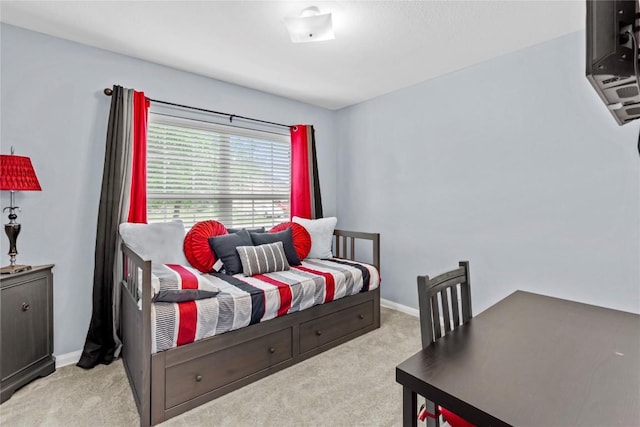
column 445, row 305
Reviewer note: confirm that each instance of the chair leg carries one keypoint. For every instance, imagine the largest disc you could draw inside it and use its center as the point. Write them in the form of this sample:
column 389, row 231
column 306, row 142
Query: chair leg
column 432, row 409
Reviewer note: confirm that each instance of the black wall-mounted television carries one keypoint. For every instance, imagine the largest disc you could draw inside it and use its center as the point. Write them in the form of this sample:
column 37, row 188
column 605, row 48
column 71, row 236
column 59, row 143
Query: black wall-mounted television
column 612, row 56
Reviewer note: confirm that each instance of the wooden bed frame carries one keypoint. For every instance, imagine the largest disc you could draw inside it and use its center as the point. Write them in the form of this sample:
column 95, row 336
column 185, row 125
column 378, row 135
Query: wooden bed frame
column 171, row 382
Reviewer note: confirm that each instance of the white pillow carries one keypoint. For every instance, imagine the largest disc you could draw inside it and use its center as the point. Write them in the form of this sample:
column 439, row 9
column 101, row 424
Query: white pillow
column 321, row 231
column 160, row 242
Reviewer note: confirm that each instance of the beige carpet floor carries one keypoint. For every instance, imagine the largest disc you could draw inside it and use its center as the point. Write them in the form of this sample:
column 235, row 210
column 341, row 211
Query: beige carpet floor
column 351, row 385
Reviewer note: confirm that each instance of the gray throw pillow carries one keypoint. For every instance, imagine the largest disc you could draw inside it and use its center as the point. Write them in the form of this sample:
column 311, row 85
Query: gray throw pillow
column 224, row 247
column 285, row 236
column 250, row 229
column 184, row 295
column 262, row 259
column 177, row 283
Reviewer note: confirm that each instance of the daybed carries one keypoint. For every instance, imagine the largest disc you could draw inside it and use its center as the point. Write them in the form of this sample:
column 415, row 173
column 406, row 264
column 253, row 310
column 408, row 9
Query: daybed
column 168, row 383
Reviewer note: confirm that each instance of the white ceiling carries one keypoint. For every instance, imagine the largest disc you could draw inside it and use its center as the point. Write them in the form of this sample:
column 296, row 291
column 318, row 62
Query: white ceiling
column 380, row 46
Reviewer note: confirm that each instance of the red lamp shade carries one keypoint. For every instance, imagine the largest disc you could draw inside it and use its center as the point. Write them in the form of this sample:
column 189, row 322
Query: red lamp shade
column 16, row 173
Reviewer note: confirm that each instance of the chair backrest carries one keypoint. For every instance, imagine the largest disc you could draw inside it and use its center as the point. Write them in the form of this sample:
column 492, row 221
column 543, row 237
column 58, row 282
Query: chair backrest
column 445, row 298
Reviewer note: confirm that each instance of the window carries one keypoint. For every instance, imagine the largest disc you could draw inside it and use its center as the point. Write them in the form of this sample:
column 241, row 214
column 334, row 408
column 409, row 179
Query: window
column 199, row 170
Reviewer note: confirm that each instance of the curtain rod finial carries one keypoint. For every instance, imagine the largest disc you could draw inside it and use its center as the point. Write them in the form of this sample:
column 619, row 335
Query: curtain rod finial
column 108, row 91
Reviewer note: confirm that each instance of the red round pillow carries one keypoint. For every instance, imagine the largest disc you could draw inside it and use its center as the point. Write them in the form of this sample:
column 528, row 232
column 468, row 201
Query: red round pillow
column 301, row 237
column 196, row 244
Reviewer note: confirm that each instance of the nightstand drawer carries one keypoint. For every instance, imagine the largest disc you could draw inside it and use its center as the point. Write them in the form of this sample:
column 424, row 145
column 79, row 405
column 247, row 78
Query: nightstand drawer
column 24, row 325
column 26, row 329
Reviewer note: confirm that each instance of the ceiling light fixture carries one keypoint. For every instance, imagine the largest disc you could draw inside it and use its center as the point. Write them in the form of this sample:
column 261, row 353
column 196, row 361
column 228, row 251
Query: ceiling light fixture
column 310, row 26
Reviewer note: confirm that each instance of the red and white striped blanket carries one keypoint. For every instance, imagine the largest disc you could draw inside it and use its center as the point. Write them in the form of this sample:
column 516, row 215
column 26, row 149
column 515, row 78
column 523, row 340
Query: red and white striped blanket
column 243, row 301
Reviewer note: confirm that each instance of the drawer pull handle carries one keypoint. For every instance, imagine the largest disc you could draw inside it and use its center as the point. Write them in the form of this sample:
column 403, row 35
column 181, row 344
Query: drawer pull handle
column 25, row 306
column 198, row 378
column 272, row 350
column 361, row 316
column 318, row 332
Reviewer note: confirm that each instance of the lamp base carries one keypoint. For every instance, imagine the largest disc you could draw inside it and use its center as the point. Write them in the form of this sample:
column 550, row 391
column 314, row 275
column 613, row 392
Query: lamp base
column 11, row 269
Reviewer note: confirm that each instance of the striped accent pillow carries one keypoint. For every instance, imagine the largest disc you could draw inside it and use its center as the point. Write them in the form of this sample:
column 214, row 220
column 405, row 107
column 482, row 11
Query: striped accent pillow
column 263, row 259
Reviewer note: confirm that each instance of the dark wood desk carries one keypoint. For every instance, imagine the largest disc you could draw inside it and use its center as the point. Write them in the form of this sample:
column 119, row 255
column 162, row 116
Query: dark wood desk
column 532, row 360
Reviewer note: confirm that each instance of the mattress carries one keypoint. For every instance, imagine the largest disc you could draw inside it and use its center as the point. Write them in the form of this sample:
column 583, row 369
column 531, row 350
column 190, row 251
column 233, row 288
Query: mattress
column 244, row 301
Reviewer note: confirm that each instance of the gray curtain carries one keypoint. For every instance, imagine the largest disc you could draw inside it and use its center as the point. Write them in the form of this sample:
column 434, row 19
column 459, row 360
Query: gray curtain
column 316, row 198
column 102, row 344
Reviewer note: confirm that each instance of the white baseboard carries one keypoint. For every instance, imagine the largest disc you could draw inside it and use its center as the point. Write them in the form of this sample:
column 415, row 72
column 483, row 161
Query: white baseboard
column 399, row 307
column 68, row 358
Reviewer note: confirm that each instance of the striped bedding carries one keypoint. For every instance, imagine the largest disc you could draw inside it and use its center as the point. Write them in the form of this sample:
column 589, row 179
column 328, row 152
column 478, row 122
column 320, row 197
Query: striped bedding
column 243, row 301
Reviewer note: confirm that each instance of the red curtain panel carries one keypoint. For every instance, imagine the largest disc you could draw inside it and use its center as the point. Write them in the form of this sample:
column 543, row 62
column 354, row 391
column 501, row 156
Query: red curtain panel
column 138, row 195
column 306, row 201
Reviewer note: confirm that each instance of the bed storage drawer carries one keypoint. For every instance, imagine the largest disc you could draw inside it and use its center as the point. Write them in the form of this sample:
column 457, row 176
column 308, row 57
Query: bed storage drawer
column 203, row 374
column 325, row 329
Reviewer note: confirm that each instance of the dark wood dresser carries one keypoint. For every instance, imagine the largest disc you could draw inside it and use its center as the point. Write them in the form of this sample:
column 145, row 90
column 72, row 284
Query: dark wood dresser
column 26, row 328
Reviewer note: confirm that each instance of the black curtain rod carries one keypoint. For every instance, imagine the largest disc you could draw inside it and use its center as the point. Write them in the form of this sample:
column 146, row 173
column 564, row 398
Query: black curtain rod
column 109, row 92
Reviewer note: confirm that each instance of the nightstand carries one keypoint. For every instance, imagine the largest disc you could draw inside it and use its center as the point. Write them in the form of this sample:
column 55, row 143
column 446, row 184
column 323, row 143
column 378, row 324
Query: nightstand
column 26, row 328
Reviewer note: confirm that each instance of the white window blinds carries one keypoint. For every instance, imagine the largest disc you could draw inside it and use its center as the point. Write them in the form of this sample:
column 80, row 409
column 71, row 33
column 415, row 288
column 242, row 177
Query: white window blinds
column 198, row 171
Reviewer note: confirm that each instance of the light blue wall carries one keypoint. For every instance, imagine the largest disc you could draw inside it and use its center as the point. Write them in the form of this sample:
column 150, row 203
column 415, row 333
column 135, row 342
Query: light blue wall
column 514, row 164
column 53, row 110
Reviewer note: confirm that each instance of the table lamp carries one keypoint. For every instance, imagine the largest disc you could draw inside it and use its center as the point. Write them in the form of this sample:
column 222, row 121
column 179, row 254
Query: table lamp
column 16, row 174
